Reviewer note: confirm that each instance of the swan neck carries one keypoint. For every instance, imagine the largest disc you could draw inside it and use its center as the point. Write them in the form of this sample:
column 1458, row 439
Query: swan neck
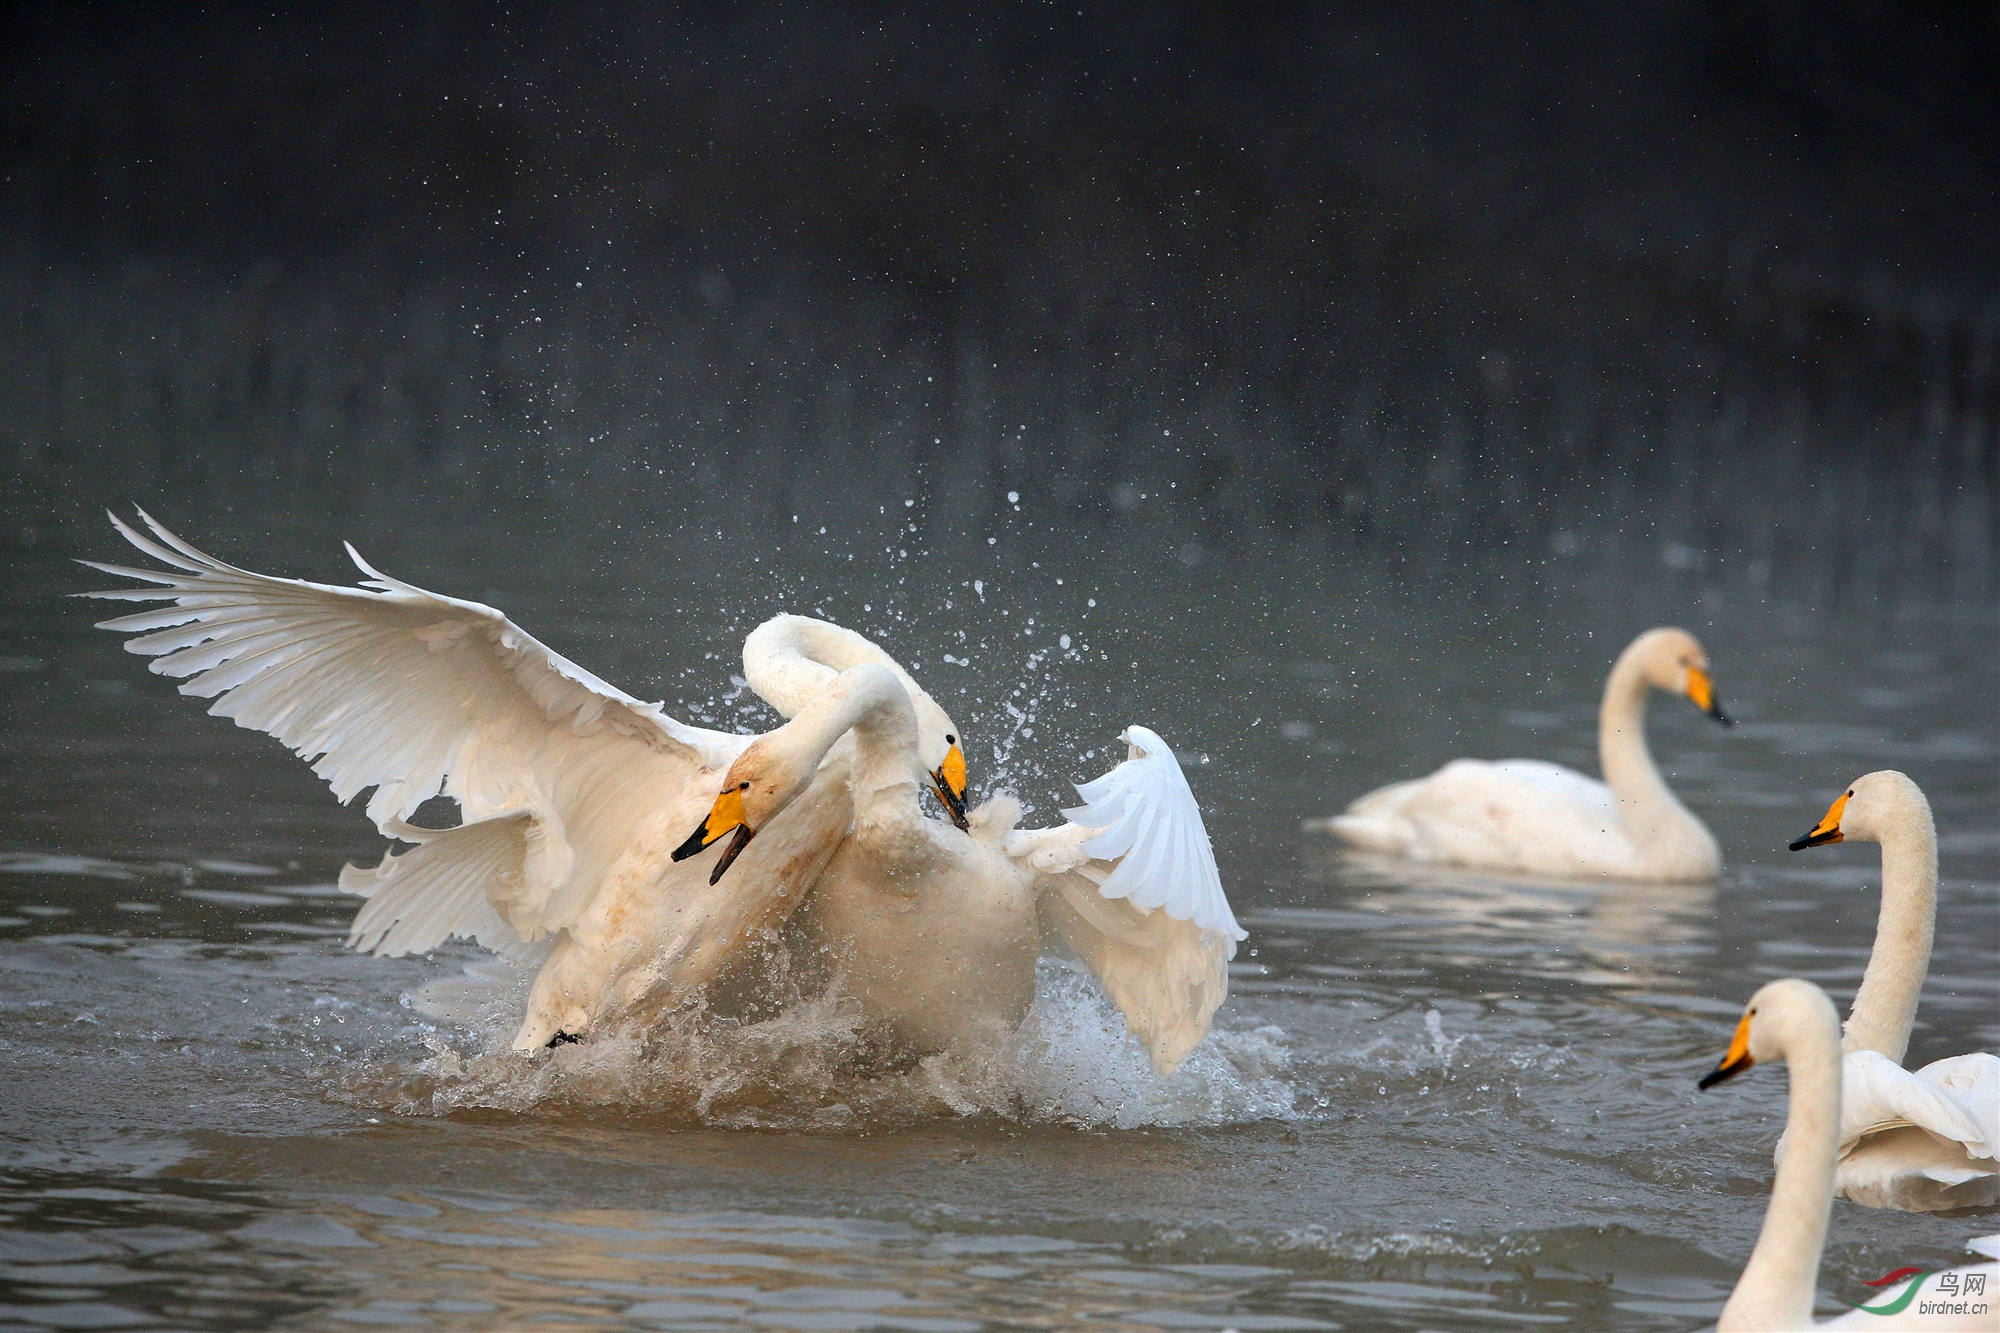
column 1649, row 806
column 1776, row 1288
column 1885, row 1008
column 871, row 702
column 868, row 702
column 789, row 660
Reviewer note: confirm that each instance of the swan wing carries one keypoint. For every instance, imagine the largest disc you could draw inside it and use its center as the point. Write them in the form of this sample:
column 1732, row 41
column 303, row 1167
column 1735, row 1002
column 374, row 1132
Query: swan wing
column 1130, row 884
column 1973, row 1082
column 390, row 687
column 1149, row 831
column 1916, row 1140
column 1877, row 1094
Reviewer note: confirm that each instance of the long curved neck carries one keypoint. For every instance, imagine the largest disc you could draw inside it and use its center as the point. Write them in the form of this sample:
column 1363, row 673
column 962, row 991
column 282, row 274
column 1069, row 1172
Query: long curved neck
column 1885, row 1008
column 1649, row 807
column 789, row 660
column 872, row 704
column 1776, row 1288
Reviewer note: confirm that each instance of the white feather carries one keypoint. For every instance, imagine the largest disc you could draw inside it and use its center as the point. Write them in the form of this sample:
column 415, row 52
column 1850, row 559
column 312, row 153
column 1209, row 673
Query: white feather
column 1148, row 822
column 1130, row 884
column 413, row 694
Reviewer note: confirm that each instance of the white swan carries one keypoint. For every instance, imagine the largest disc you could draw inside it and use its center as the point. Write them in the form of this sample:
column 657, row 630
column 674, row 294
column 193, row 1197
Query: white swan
column 572, row 792
column 1922, row 1140
column 935, row 932
column 1793, row 1021
column 1541, row 818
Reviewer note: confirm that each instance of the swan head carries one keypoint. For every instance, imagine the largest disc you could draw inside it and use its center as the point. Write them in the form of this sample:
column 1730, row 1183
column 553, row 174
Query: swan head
column 1775, row 1015
column 1673, row 661
column 766, row 777
column 1872, row 804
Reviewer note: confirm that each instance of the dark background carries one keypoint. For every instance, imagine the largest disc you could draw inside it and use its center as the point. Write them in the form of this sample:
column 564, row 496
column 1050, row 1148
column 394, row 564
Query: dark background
column 1682, row 288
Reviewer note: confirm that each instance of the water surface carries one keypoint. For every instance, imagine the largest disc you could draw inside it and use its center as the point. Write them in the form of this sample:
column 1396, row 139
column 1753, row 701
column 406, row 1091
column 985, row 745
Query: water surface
column 1433, row 1100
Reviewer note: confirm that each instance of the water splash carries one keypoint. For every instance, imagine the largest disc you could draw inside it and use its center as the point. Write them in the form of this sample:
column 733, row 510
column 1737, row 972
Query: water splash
column 810, row 1068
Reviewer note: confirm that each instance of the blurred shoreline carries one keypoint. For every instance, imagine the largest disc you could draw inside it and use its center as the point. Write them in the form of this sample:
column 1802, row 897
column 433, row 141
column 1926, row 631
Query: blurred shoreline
column 1682, row 293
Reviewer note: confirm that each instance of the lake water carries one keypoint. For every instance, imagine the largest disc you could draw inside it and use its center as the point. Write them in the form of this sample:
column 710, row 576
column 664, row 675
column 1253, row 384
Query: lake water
column 1432, row 1101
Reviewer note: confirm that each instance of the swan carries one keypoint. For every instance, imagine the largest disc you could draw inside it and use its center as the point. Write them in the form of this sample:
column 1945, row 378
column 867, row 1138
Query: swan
column 1793, row 1021
column 1540, row 818
column 1922, row 1140
column 569, row 789
column 934, row 931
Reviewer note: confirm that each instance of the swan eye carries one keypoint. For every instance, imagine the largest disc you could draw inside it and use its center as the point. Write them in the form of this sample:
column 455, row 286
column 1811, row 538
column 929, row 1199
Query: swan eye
column 950, row 739
column 1850, row 796
column 743, row 786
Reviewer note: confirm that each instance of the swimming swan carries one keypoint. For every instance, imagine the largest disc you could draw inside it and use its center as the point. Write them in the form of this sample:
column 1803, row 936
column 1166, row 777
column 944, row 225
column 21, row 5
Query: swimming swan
column 935, row 931
column 1541, row 818
column 1922, row 1140
column 571, row 791
column 1793, row 1021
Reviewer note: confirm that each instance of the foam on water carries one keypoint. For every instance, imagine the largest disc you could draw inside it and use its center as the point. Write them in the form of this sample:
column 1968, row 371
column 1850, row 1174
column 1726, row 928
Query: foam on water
column 809, row 1067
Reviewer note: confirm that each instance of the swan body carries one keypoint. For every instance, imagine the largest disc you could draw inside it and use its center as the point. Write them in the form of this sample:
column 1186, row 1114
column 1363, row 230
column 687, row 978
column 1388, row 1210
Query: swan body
column 1534, row 817
column 1926, row 1139
column 572, row 793
column 1794, row 1022
column 934, row 931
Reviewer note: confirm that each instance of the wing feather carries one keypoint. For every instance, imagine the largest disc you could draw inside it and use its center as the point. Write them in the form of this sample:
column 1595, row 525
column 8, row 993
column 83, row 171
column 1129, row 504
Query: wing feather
column 1152, row 827
column 1878, row 1094
column 1130, row 883
column 388, row 687
column 439, row 889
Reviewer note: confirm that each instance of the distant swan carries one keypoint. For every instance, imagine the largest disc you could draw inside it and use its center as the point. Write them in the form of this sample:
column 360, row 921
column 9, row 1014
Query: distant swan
column 935, row 932
column 1922, row 1140
column 1793, row 1021
column 1541, row 818
column 572, row 792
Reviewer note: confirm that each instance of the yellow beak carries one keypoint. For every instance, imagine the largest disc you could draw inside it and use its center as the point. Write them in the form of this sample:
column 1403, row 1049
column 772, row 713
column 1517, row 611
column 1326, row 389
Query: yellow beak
column 1735, row 1061
column 726, row 814
column 949, row 782
column 1827, row 830
column 1701, row 692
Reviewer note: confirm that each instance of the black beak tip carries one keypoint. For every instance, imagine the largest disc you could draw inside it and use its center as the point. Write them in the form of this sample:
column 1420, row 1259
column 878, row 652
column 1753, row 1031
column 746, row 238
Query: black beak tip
column 1722, row 717
column 1711, row 1078
column 691, row 846
column 953, row 806
column 729, row 854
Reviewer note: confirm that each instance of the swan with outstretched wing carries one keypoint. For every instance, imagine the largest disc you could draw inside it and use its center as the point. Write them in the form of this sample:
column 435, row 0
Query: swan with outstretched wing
column 573, row 794
column 934, row 931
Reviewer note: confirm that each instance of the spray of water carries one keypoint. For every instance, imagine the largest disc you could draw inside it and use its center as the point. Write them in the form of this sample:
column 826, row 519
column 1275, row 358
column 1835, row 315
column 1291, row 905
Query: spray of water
column 810, row 1067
